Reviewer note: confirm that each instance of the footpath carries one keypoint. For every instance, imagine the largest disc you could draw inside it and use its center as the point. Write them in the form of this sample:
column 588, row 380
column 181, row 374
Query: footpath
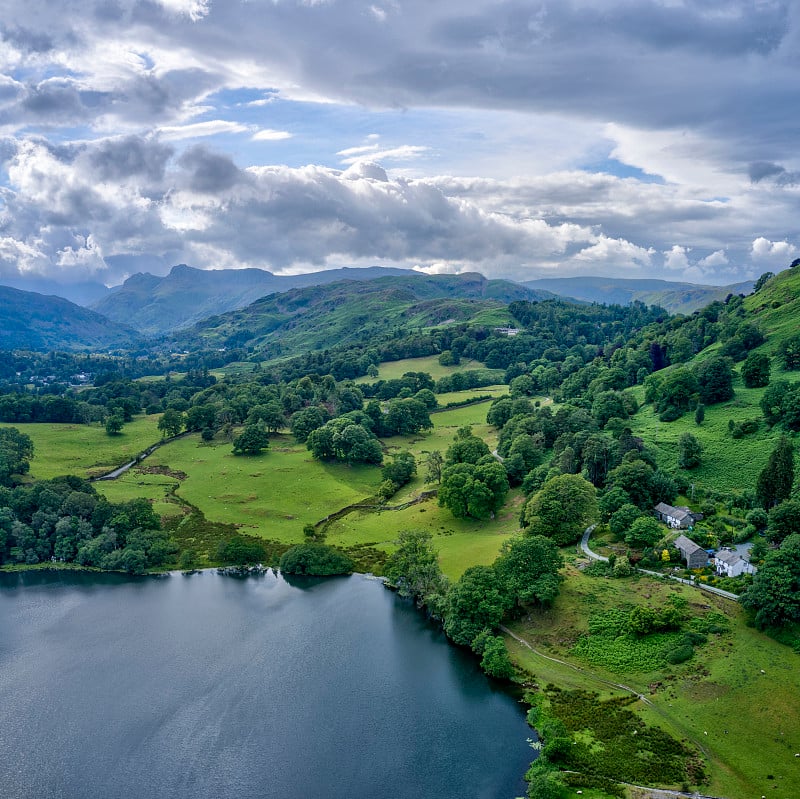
column 584, row 545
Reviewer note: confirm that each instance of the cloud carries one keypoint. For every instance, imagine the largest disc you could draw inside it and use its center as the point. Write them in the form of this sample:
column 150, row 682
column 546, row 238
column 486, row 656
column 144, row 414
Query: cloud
column 268, row 134
column 195, row 130
column 773, row 252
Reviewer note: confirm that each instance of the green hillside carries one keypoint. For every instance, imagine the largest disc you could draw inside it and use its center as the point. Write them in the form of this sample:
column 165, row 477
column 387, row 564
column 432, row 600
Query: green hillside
column 351, row 312
column 185, row 296
column 676, row 297
column 33, row 321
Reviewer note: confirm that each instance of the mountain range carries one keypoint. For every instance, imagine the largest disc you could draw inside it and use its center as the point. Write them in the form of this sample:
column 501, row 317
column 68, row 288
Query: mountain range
column 673, row 296
column 231, row 307
column 34, row 321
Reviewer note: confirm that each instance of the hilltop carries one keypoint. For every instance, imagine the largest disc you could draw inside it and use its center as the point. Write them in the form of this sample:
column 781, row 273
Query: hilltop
column 675, row 297
column 350, row 312
column 156, row 305
column 34, row 321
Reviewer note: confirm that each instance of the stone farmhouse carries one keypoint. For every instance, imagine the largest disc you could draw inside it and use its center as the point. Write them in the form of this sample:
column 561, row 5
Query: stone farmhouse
column 694, row 555
column 679, row 518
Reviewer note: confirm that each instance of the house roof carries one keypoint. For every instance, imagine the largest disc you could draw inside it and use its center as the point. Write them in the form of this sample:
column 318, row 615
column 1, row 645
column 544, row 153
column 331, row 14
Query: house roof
column 728, row 556
column 676, row 513
column 687, row 545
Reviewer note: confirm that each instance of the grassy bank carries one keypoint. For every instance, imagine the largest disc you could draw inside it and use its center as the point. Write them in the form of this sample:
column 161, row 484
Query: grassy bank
column 86, row 450
column 734, row 700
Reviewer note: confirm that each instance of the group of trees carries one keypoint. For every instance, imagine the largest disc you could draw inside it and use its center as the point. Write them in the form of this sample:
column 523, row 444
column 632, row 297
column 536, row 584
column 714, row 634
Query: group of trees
column 525, row 573
column 66, row 520
column 473, row 483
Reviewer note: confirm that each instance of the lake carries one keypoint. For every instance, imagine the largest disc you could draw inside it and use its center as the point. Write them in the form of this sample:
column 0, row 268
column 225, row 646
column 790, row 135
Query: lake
column 209, row 686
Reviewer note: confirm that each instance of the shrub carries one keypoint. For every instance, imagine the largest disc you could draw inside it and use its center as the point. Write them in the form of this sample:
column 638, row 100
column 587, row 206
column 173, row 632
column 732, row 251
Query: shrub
column 680, row 655
column 316, row 560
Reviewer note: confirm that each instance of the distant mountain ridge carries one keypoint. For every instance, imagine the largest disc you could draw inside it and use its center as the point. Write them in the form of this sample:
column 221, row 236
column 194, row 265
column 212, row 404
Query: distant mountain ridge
column 675, row 297
column 317, row 316
column 156, row 305
column 32, row 321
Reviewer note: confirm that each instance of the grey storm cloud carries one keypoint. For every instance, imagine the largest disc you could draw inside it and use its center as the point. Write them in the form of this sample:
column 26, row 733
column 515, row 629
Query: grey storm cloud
column 720, row 76
column 208, row 172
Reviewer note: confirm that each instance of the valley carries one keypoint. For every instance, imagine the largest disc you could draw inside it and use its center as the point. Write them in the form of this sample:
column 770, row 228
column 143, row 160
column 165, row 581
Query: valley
column 598, row 398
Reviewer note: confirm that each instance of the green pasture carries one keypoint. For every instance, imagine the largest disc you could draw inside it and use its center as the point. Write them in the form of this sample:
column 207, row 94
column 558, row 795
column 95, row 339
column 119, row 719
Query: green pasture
column 273, row 495
column 86, row 450
column 461, row 543
column 489, row 392
column 728, row 463
column 134, row 484
column 736, row 699
column 394, row 370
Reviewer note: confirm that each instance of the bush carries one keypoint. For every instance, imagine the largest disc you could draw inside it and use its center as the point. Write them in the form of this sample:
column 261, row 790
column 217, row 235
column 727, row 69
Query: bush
column 680, row 655
column 317, row 560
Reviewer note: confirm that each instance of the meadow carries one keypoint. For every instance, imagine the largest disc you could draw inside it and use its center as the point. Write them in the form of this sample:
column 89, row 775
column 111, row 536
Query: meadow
column 728, row 464
column 272, row 495
column 86, row 450
column 739, row 674
column 394, row 370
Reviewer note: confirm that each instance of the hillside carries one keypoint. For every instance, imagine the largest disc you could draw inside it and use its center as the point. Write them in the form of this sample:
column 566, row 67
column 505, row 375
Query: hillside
column 155, row 305
column 356, row 311
column 37, row 322
column 673, row 296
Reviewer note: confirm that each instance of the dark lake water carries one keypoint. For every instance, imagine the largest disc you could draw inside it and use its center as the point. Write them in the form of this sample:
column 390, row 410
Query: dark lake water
column 209, row 686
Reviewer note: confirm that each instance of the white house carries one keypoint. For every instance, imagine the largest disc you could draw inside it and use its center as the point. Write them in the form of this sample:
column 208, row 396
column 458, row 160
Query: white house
column 731, row 564
column 677, row 518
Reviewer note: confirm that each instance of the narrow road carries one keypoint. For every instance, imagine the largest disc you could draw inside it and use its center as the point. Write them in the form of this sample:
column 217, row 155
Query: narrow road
column 709, row 588
column 113, row 475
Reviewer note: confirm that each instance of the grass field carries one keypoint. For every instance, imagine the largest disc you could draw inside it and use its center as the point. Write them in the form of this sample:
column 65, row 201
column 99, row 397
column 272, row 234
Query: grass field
column 393, row 370
column 133, row 484
column 727, row 464
column 737, row 699
column 86, row 450
column 272, row 495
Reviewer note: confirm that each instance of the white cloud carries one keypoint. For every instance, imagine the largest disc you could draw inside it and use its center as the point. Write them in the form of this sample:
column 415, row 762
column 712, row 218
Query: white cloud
column 773, row 252
column 194, row 9
column 676, row 259
column 717, row 258
column 196, row 130
column 268, row 134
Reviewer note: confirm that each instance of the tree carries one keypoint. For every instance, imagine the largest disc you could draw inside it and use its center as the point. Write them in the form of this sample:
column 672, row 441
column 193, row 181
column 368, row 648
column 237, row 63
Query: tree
column 475, row 602
column 476, row 490
column 252, row 440
column 528, row 568
column 690, row 451
column 400, row 469
column 790, row 353
column 774, row 594
column 414, row 568
column 495, row 661
column 270, row 413
column 761, row 282
column 635, row 478
column 699, row 413
column 644, row 532
column 755, row 370
column 171, row 423
column 305, row 421
column 433, row 466
column 784, row 520
column 316, row 560
column 715, row 380
column 622, row 519
column 562, row 509
column 114, row 424
column 16, row 450
column 466, row 448
column 776, row 478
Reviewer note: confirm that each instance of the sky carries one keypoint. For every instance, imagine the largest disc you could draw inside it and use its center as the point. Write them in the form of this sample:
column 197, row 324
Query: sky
column 627, row 138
